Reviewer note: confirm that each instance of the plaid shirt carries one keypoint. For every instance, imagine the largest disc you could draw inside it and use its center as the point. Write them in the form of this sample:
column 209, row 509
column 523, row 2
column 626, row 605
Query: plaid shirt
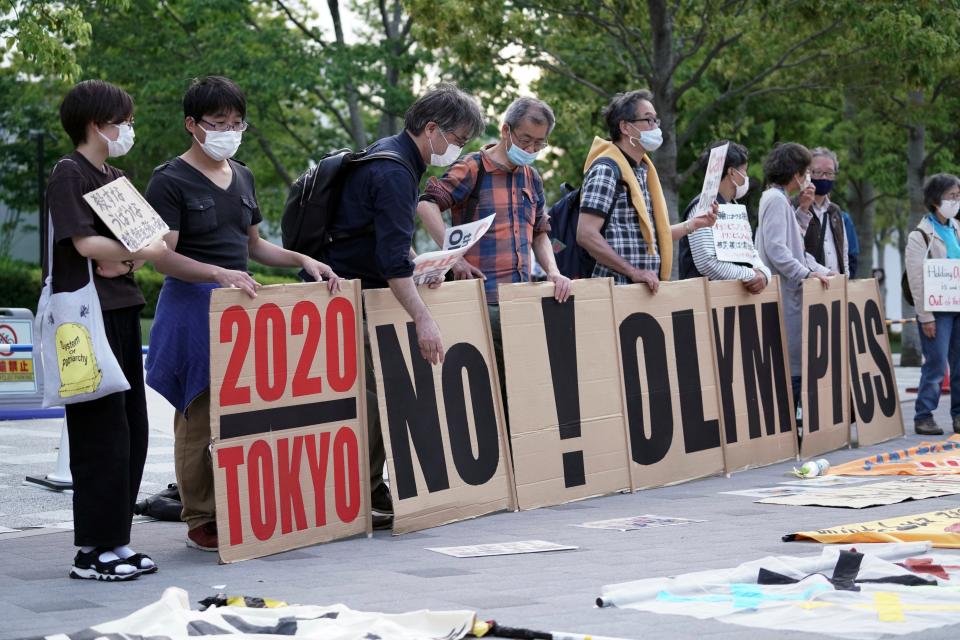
column 516, row 197
column 603, row 194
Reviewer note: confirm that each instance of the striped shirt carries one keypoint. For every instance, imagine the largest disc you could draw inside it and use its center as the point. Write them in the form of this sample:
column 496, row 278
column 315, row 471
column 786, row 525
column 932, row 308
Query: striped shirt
column 603, row 194
column 703, row 250
column 516, row 197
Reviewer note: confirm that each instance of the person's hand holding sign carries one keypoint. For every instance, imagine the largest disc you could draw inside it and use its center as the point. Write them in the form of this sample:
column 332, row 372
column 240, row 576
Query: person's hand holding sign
column 319, row 271
column 708, row 219
column 463, row 270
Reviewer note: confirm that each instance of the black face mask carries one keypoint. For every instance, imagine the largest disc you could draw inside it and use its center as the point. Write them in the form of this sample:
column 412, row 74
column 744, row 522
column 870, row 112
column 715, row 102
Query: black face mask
column 822, row 186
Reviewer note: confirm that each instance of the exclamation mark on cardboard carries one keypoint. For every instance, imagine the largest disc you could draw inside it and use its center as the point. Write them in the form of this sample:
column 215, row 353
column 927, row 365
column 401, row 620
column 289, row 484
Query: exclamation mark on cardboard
column 561, row 331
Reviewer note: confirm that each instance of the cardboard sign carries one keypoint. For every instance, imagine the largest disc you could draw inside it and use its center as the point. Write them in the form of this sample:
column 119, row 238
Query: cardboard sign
column 751, row 350
column 127, row 214
column 433, row 265
column 671, row 399
column 925, row 459
column 941, row 284
column 287, row 417
column 443, row 426
column 876, row 406
column 567, row 426
column 16, row 369
column 825, row 395
column 712, row 178
column 941, row 528
column 732, row 235
column 876, row 494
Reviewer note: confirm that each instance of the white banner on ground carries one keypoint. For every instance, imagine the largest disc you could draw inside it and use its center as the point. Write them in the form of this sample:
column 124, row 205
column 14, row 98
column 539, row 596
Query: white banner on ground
column 872, row 495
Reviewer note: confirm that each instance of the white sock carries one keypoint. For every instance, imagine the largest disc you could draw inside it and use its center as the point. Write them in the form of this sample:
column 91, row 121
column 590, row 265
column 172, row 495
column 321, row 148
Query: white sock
column 125, row 552
column 86, row 549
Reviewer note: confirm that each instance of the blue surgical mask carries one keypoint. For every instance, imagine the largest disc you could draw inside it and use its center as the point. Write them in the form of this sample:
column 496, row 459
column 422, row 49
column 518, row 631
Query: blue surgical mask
column 518, row 156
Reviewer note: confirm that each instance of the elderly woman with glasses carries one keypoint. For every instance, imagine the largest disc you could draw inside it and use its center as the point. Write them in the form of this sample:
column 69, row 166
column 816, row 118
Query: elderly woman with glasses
column 936, row 236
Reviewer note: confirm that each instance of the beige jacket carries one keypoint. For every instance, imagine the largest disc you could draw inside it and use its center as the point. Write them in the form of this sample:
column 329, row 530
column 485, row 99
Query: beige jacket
column 916, row 253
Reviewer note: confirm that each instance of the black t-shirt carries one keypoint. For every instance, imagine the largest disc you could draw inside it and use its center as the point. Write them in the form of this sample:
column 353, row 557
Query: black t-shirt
column 213, row 222
column 72, row 177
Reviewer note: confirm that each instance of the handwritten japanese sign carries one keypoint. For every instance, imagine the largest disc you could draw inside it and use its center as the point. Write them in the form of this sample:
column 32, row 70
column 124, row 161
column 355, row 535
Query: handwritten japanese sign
column 127, row 214
column 941, row 285
column 711, row 181
column 732, row 234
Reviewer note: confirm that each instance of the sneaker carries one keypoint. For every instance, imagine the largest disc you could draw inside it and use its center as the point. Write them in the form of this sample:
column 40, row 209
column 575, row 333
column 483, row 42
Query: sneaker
column 203, row 537
column 928, row 427
column 380, row 501
column 956, row 424
column 88, row 566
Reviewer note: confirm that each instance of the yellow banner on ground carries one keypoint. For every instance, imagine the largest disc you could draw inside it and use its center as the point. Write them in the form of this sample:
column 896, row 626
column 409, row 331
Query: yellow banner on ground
column 941, row 528
column 925, row 459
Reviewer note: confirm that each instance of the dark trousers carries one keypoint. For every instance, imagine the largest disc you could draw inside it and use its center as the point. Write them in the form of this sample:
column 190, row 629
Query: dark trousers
column 108, row 444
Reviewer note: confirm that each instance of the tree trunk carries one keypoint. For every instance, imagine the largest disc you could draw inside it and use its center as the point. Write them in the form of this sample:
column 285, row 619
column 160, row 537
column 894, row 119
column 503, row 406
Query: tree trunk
column 357, row 130
column 861, row 201
column 910, row 353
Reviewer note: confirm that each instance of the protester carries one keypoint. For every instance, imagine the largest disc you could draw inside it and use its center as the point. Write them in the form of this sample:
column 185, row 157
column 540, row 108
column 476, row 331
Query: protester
column 853, row 244
column 779, row 240
column 825, row 238
column 210, row 204
column 936, row 236
column 500, row 179
column 698, row 252
column 624, row 223
column 375, row 223
column 108, row 435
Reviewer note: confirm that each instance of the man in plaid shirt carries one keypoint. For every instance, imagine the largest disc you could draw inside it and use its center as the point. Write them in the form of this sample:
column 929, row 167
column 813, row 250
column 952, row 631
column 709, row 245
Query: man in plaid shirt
column 624, row 223
column 500, row 179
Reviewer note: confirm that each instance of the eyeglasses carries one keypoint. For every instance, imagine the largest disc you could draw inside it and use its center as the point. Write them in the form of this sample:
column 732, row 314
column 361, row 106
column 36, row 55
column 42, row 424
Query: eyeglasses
column 225, row 126
column 460, row 142
column 819, row 175
column 526, row 142
column 651, row 122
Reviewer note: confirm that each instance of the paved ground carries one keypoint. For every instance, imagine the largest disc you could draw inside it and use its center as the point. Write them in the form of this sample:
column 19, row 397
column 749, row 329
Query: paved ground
column 545, row 591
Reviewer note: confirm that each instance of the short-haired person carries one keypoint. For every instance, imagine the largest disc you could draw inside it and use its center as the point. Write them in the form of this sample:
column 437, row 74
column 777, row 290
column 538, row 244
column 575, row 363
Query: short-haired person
column 210, row 204
column 698, row 251
column 374, row 226
column 624, row 223
column 500, row 179
column 779, row 241
column 826, row 235
column 937, row 235
column 108, row 436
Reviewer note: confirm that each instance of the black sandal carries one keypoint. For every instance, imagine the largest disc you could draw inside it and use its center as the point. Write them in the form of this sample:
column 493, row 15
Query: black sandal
column 137, row 561
column 88, row 566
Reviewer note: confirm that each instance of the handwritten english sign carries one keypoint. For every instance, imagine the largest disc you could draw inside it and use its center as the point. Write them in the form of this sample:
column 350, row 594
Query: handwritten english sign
column 941, row 285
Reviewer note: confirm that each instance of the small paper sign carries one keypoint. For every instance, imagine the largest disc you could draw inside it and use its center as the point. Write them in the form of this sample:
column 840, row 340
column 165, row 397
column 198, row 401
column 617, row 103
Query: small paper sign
column 433, row 265
column 941, row 285
column 501, row 549
column 712, row 178
column 636, row 522
column 127, row 214
column 732, row 234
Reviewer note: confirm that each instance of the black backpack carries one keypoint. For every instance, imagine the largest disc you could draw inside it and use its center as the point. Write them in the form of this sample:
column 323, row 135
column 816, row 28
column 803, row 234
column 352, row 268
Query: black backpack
column 573, row 260
column 312, row 200
column 686, row 268
column 904, row 281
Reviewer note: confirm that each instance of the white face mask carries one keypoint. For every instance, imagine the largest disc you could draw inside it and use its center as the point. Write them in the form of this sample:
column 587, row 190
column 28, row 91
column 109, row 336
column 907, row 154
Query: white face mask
column 123, row 143
column 649, row 140
column 449, row 156
column 742, row 188
column 949, row 208
column 220, row 145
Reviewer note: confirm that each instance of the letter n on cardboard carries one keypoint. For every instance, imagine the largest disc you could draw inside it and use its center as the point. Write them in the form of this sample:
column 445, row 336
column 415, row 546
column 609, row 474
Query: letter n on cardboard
column 563, row 392
column 442, row 425
column 287, row 418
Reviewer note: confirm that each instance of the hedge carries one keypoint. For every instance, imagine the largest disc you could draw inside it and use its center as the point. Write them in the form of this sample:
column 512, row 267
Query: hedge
column 20, row 285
